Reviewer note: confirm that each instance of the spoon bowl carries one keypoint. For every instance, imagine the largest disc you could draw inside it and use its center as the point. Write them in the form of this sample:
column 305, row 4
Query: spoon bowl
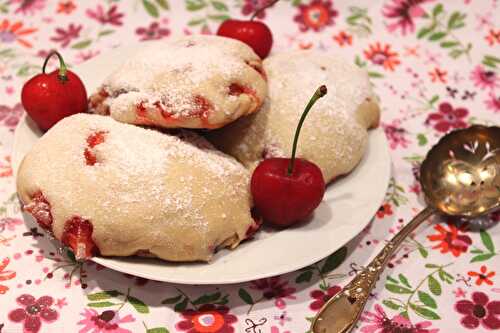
column 461, row 174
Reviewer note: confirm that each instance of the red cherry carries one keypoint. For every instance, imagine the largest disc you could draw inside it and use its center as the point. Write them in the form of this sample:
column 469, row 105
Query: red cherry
column 255, row 34
column 284, row 199
column 287, row 190
column 48, row 98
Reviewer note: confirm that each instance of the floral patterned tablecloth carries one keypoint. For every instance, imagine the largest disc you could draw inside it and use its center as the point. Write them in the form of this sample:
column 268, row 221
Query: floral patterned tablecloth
column 435, row 66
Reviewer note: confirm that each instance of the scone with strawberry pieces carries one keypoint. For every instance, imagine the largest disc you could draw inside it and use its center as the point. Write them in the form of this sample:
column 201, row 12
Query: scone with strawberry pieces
column 196, row 81
column 336, row 131
column 104, row 187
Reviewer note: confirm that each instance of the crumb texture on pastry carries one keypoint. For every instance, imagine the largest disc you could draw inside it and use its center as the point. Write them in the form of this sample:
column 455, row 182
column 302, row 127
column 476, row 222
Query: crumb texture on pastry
column 334, row 135
column 195, row 81
column 142, row 191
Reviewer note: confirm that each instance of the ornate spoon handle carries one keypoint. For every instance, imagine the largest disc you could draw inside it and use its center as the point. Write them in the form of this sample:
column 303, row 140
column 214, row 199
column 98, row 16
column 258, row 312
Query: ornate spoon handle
column 341, row 312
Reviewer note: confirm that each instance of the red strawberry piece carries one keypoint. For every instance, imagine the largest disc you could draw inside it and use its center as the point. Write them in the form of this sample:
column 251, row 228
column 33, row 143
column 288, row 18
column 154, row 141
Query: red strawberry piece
column 96, row 138
column 39, row 208
column 93, row 140
column 77, row 235
column 236, row 89
column 202, row 108
column 141, row 111
column 90, row 158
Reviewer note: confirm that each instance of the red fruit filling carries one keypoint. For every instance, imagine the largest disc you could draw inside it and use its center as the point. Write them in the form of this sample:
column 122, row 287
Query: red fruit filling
column 90, row 158
column 236, row 89
column 96, row 102
column 164, row 113
column 96, row 138
column 141, row 111
column 93, row 140
column 39, row 208
column 77, row 235
column 202, row 108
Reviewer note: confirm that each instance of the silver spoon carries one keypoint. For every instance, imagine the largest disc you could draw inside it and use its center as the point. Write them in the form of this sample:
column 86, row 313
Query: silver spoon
column 460, row 177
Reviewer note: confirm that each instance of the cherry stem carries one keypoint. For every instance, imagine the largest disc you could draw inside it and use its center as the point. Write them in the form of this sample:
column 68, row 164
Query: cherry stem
column 263, row 8
column 62, row 65
column 320, row 92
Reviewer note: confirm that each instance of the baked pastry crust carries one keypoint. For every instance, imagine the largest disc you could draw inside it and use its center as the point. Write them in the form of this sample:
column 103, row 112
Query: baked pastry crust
column 196, row 81
column 334, row 136
column 143, row 192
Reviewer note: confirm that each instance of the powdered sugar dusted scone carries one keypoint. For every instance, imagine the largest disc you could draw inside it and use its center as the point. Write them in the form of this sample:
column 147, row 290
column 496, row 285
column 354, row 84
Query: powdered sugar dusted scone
column 334, row 136
column 116, row 189
column 192, row 82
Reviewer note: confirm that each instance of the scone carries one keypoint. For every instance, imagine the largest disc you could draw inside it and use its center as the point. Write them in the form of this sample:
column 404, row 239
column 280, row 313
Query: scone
column 101, row 186
column 334, row 135
column 196, row 81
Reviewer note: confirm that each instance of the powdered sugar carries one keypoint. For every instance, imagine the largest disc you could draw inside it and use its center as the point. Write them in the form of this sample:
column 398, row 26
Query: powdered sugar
column 293, row 78
column 334, row 134
column 170, row 75
column 296, row 75
column 146, row 192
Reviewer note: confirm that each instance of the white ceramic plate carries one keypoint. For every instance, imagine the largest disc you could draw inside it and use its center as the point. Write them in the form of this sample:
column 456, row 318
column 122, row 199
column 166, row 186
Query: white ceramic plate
column 348, row 206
